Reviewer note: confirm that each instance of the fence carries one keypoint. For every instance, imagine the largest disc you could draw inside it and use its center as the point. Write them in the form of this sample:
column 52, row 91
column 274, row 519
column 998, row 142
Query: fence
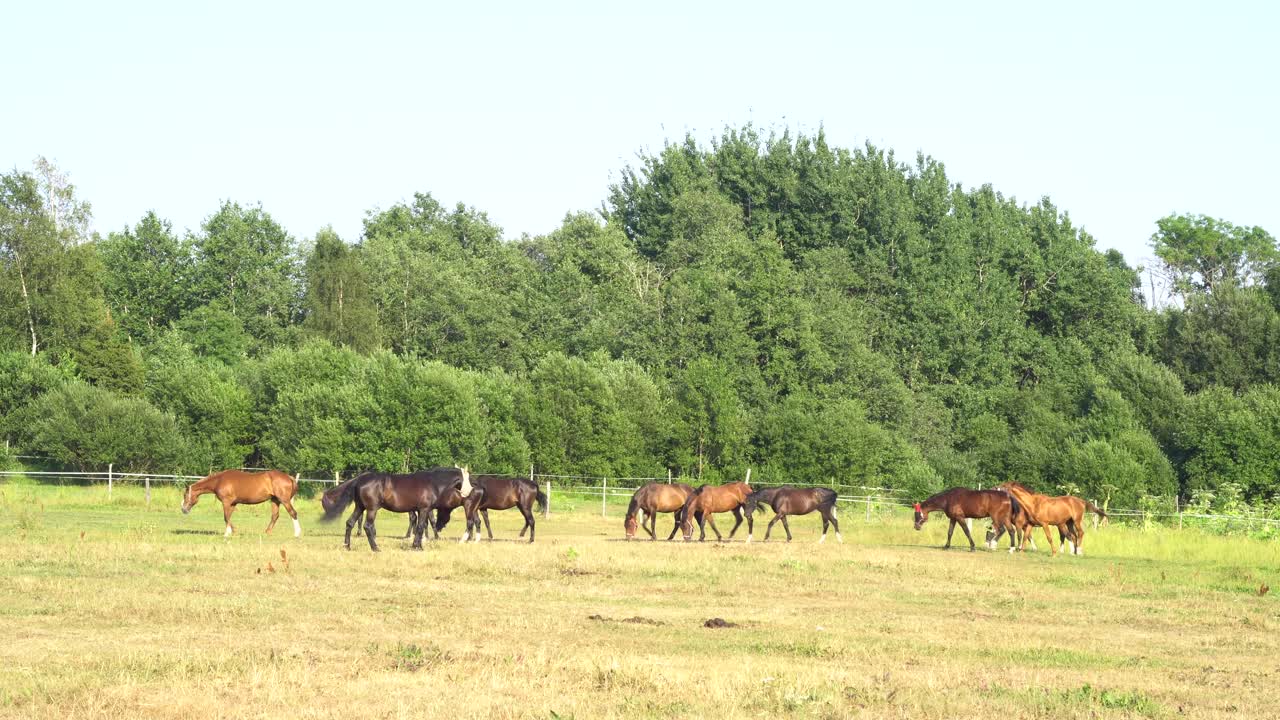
column 872, row 499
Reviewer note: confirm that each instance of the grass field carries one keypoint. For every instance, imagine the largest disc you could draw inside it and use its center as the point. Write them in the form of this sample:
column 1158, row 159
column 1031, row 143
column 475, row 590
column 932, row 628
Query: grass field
column 119, row 610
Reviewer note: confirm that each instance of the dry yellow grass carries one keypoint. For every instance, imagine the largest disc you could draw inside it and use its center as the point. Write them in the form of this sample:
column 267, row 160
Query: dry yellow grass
column 150, row 613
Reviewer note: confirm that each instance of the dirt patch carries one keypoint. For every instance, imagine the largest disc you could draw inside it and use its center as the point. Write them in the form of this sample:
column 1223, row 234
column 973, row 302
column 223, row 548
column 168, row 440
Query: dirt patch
column 719, row 623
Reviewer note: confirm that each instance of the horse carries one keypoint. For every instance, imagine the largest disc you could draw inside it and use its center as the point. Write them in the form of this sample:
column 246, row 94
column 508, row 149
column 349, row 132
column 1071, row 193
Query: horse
column 1063, row 511
column 707, row 500
column 237, row 487
column 960, row 504
column 786, row 501
column 652, row 499
column 371, row 492
column 496, row 492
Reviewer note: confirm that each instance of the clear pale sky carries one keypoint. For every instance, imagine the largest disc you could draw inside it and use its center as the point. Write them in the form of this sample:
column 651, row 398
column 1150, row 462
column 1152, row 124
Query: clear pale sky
column 1120, row 112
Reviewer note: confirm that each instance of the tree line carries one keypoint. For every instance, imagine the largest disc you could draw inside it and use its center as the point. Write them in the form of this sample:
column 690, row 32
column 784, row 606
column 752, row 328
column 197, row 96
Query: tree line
column 764, row 300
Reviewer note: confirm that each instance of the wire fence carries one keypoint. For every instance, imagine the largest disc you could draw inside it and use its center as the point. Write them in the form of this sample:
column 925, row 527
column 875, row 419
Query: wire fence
column 872, row 500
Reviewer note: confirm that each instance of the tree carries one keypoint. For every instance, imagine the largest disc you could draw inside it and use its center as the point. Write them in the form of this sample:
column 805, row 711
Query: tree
column 148, row 277
column 1202, row 254
column 245, row 261
column 339, row 303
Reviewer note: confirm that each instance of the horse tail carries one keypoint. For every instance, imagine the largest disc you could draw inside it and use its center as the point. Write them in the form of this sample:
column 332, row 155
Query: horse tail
column 829, row 498
column 541, row 499
column 336, row 500
column 1014, row 508
column 1096, row 509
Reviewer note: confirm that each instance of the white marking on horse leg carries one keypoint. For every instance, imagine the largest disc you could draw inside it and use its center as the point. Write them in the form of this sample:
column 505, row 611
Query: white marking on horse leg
column 465, row 535
column 297, row 528
column 839, row 538
column 822, row 539
column 228, row 532
column 748, row 537
column 1069, row 544
column 1033, row 544
column 477, row 537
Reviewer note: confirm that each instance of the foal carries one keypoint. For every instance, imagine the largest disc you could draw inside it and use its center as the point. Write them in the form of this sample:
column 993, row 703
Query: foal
column 237, row 487
column 794, row 501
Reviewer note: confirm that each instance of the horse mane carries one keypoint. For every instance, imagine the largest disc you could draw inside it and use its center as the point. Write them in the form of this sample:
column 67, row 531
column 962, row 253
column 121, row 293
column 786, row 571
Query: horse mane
column 1018, row 486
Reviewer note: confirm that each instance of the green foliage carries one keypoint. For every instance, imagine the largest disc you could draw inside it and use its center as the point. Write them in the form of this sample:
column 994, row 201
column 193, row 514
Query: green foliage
column 1205, row 255
column 339, row 304
column 89, row 427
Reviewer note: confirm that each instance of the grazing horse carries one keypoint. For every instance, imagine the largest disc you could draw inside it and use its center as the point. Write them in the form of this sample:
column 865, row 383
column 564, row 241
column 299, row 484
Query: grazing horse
column 371, row 492
column 793, row 501
column 655, row 498
column 960, row 504
column 707, row 500
column 237, row 487
column 1063, row 511
column 497, row 492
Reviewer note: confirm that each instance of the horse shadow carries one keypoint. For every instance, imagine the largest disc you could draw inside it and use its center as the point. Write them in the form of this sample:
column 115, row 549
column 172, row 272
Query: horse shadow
column 195, row 532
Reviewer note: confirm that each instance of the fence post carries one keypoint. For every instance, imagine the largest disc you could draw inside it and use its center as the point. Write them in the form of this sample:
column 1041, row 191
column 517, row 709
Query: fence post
column 147, row 481
column 868, row 508
column 604, row 490
column 748, row 480
column 668, row 476
column 110, row 478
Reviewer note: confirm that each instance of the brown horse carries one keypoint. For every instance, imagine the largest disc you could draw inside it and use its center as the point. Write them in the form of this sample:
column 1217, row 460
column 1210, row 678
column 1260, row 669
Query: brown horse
column 960, row 504
column 655, row 498
column 371, row 492
column 707, row 500
column 497, row 492
column 237, row 487
column 1062, row 511
column 793, row 501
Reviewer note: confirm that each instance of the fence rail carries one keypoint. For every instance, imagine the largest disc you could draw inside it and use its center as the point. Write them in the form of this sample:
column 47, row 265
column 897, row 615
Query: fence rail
column 621, row 488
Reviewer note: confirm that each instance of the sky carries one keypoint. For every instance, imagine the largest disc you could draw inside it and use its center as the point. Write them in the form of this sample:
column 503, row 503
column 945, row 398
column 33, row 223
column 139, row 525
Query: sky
column 1121, row 113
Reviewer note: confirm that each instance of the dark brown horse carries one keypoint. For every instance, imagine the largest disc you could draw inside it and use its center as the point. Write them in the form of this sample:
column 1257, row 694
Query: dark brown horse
column 960, row 504
column 421, row 491
column 707, row 500
column 237, row 487
column 498, row 492
column 655, row 498
column 793, row 501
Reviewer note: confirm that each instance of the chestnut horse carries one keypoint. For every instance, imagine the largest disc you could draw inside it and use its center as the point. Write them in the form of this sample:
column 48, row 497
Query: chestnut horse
column 960, row 504
column 786, row 501
column 707, row 500
column 655, row 498
column 498, row 492
column 1062, row 511
column 237, row 487
column 371, row 492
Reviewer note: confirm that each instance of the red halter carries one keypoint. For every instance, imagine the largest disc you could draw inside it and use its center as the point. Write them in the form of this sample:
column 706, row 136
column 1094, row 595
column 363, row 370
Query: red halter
column 918, row 509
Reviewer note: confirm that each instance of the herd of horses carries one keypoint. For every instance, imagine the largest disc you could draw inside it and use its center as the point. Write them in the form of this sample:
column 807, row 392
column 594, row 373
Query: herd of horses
column 430, row 496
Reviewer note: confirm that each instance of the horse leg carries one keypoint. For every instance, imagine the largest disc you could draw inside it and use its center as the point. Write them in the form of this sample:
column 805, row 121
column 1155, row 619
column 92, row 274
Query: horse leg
column 652, row 527
column 972, row 546
column 485, row 515
column 830, row 516
column 679, row 518
column 950, row 529
column 288, row 507
column 419, row 526
column 227, row 509
column 527, row 512
column 413, row 525
column 737, row 521
column 769, row 528
column 275, row 515
column 1053, row 549
column 370, row 532
column 711, row 520
column 786, row 526
column 353, row 521
column 1079, row 526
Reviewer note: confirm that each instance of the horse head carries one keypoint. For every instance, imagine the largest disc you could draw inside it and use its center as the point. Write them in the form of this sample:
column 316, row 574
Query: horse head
column 188, row 500
column 921, row 516
column 629, row 525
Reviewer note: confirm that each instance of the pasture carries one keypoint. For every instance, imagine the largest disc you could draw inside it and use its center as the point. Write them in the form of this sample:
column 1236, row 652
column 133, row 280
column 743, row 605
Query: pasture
column 120, row 610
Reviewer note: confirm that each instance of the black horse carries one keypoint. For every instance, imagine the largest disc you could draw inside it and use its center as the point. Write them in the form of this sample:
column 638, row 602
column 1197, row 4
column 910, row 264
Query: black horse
column 420, row 491
column 498, row 492
column 788, row 500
